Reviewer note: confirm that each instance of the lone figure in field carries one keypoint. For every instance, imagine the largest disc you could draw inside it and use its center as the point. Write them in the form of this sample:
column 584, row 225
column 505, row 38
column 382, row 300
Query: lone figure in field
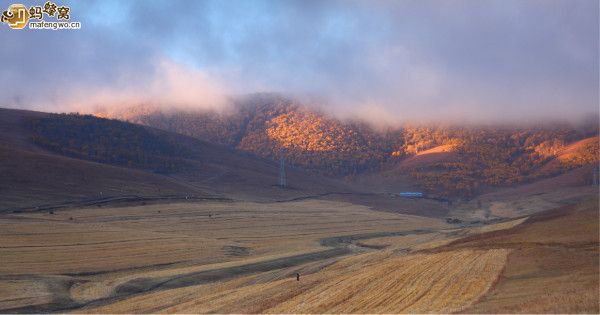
column 297, row 277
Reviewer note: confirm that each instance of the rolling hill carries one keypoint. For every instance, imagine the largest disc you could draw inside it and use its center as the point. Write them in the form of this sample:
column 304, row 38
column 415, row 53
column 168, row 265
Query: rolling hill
column 446, row 161
column 58, row 159
column 53, row 159
column 96, row 217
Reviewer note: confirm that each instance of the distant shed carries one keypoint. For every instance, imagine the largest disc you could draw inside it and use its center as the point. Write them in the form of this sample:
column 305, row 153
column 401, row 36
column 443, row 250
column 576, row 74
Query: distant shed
column 411, row 194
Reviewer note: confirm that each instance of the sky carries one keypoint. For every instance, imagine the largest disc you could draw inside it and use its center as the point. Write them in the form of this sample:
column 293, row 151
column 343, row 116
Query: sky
column 384, row 61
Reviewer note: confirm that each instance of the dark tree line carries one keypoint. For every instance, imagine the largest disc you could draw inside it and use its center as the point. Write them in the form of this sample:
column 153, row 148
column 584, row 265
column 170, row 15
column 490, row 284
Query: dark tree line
column 108, row 141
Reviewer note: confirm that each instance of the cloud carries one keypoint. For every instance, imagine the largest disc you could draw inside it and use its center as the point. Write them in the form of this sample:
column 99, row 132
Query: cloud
column 389, row 60
column 171, row 86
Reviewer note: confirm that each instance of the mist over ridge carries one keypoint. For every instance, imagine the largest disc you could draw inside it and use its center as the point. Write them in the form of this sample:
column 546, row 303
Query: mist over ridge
column 385, row 62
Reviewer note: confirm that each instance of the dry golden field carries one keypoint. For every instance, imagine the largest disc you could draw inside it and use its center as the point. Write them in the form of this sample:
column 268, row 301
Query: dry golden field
column 368, row 283
column 553, row 266
column 242, row 257
column 81, row 255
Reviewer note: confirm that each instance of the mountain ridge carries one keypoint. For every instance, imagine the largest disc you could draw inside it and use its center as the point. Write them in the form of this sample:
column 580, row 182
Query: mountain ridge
column 481, row 156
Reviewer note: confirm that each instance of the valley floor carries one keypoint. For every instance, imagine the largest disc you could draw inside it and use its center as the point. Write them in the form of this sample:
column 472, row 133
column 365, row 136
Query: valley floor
column 243, row 257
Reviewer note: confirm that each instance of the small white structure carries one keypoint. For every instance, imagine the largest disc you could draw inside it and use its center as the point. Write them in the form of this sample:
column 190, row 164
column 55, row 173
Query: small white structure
column 411, row 194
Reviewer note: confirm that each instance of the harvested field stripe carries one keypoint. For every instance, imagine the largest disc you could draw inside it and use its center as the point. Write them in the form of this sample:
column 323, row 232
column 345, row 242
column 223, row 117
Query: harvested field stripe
column 418, row 283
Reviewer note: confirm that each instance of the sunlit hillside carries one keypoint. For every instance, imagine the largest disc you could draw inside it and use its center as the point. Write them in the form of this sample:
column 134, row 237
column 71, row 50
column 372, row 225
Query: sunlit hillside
column 444, row 160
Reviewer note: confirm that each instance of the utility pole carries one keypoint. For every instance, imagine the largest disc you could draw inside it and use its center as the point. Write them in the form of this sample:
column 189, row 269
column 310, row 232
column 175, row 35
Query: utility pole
column 282, row 182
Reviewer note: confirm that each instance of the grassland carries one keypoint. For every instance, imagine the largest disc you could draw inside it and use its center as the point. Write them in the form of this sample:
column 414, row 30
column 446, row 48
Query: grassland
column 545, row 263
column 89, row 252
column 242, row 257
column 553, row 264
column 370, row 283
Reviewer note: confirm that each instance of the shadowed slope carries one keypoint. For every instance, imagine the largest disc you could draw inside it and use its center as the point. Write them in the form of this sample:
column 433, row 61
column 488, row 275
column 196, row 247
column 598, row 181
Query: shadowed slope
column 66, row 170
